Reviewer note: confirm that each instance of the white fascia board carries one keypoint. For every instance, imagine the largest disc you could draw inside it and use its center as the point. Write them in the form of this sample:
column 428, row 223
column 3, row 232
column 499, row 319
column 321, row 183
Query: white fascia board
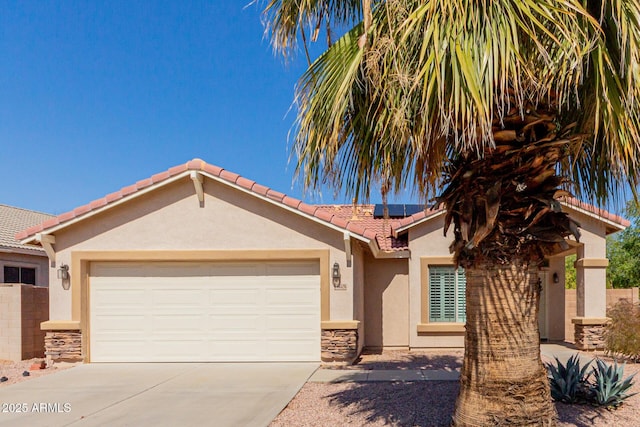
column 583, row 211
column 413, row 224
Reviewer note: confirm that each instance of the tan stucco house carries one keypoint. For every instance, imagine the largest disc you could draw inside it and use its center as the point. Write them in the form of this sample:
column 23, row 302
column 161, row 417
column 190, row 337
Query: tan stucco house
column 200, row 264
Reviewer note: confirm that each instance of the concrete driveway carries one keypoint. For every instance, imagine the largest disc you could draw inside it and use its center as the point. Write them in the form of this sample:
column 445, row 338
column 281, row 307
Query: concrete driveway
column 159, row 394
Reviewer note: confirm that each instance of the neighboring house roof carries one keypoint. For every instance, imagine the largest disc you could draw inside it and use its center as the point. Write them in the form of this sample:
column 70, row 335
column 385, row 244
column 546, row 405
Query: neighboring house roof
column 13, row 220
column 357, row 221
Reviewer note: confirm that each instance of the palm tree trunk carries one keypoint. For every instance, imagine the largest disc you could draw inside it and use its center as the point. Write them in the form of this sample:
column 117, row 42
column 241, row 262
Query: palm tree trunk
column 503, row 381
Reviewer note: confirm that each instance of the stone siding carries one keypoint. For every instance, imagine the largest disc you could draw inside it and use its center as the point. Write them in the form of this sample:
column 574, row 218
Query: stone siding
column 613, row 296
column 590, row 337
column 339, row 346
column 63, row 346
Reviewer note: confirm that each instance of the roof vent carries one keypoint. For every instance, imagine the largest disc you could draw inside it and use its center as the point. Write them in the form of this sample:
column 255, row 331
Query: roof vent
column 397, row 211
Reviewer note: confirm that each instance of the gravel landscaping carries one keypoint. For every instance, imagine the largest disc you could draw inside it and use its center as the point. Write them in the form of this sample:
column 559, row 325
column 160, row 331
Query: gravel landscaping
column 13, row 371
column 425, row 403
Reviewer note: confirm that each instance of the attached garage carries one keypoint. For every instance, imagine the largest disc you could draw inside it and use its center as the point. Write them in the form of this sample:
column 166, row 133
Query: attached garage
column 204, row 311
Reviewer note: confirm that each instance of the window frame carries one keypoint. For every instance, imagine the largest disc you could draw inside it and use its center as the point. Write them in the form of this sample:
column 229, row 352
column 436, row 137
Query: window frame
column 20, row 265
column 458, row 307
column 426, row 327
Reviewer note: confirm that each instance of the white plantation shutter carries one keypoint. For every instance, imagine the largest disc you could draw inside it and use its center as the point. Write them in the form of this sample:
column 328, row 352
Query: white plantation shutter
column 447, row 294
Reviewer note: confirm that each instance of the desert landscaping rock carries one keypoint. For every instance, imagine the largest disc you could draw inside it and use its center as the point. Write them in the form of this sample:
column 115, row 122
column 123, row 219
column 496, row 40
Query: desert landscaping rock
column 13, row 371
column 425, row 404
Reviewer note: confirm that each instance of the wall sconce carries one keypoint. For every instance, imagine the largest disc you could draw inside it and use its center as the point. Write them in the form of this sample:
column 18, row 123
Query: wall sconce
column 63, row 274
column 335, row 275
column 556, row 278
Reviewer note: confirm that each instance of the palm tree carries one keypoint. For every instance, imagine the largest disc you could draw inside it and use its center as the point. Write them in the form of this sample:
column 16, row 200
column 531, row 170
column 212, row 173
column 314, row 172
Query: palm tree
column 494, row 109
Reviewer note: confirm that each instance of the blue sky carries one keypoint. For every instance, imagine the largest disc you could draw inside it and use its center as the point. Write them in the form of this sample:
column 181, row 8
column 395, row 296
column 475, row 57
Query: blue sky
column 97, row 95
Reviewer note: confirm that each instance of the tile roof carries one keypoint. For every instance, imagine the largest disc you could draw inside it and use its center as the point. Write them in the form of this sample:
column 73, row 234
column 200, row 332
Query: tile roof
column 575, row 203
column 360, row 218
column 357, row 219
column 12, row 220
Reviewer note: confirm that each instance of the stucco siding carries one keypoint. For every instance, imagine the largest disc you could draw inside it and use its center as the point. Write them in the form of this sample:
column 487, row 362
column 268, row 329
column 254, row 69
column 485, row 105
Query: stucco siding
column 171, row 219
column 386, row 303
column 591, row 281
column 359, row 304
column 555, row 300
column 427, row 240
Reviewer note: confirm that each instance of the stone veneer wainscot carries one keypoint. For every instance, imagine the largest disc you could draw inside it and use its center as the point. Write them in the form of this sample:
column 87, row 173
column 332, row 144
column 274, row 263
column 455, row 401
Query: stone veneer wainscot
column 339, row 346
column 63, row 346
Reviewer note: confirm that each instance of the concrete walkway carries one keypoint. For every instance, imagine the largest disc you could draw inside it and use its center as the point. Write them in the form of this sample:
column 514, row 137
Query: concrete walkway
column 352, row 375
column 563, row 351
column 560, row 350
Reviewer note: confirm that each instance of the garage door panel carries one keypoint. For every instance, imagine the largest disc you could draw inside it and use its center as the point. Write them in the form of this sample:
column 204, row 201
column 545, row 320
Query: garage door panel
column 205, row 312
column 279, row 322
column 176, row 295
column 233, row 322
column 121, row 350
column 123, row 297
column 177, row 322
column 289, row 296
column 234, row 296
column 120, row 323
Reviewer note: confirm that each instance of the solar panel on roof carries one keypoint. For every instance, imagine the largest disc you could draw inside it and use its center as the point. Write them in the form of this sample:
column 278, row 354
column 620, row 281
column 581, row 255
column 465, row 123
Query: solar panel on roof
column 396, row 210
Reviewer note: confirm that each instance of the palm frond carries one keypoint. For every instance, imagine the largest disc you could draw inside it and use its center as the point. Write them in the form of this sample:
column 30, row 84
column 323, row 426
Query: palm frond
column 288, row 21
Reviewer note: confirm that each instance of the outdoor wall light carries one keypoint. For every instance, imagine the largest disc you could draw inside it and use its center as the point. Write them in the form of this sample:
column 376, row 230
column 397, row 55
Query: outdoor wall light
column 335, row 274
column 63, row 274
column 556, row 278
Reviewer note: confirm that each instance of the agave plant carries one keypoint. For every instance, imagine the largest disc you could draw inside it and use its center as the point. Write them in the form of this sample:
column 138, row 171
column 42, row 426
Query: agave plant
column 609, row 389
column 569, row 383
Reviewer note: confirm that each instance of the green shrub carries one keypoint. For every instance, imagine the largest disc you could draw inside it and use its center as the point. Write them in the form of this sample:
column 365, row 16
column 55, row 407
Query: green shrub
column 622, row 337
column 572, row 384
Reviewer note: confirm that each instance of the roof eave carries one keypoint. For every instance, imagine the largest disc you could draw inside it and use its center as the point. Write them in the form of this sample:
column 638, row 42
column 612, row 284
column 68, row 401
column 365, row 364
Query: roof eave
column 379, row 253
column 36, row 250
column 610, row 226
column 428, row 217
column 185, row 174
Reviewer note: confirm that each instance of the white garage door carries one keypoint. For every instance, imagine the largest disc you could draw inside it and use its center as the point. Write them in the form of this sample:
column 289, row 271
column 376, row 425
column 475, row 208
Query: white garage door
column 182, row 312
